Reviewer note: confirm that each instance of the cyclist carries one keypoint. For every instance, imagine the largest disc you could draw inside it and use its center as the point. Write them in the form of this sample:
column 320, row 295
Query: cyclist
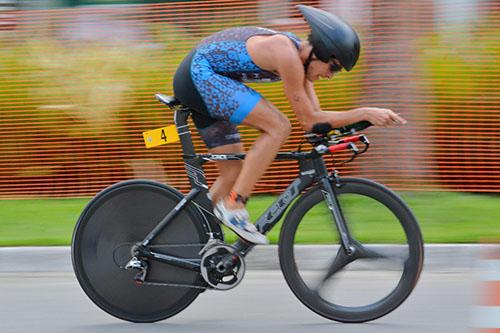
column 210, row 81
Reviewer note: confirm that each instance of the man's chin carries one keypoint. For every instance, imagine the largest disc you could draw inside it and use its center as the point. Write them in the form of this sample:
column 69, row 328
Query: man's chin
column 310, row 78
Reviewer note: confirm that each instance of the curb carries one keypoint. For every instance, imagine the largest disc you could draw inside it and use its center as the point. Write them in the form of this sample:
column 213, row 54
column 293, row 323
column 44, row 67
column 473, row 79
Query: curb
column 438, row 257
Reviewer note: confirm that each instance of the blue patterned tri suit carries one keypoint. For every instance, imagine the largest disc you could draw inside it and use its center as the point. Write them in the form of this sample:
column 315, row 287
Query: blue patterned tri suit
column 210, row 81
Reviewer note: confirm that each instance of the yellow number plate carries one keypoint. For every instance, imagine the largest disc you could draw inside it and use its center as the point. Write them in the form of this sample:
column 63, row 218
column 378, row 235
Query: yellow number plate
column 160, row 136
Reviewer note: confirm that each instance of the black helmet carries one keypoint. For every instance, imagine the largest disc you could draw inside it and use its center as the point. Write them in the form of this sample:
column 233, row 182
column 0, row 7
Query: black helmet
column 331, row 37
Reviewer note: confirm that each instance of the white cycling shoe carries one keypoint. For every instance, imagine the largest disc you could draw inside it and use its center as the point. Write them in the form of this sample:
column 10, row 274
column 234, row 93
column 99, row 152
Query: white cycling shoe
column 238, row 221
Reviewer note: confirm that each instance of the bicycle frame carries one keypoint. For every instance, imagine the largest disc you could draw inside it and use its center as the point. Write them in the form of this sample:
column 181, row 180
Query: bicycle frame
column 312, row 170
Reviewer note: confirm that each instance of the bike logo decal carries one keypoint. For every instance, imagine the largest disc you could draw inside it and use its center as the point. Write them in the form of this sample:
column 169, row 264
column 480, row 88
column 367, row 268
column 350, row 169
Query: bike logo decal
column 280, row 205
column 218, row 157
column 328, row 199
column 195, row 174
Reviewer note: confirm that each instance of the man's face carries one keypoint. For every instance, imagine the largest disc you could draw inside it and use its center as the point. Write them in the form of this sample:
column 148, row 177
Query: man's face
column 319, row 69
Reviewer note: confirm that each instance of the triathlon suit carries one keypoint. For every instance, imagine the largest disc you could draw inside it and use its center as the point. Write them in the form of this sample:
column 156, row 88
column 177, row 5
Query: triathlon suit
column 210, row 82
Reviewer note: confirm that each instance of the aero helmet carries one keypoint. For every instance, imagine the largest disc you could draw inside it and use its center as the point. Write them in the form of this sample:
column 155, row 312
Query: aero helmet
column 331, row 37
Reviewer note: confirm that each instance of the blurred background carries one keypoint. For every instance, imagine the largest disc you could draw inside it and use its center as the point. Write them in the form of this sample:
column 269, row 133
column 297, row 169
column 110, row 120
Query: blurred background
column 78, row 78
column 77, row 85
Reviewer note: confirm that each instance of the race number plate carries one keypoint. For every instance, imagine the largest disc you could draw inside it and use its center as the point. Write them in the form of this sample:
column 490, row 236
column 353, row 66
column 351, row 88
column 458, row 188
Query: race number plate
column 160, row 136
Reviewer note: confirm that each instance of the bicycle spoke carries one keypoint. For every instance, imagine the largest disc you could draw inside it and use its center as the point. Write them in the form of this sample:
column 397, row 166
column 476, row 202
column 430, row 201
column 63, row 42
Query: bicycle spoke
column 364, row 252
column 341, row 260
column 377, row 252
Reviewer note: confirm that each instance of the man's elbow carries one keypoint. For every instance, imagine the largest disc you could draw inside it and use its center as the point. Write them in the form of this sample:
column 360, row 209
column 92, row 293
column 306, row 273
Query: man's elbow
column 307, row 122
column 306, row 126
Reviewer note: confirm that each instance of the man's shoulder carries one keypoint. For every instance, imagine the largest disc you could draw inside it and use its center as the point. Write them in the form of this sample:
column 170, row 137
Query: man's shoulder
column 283, row 48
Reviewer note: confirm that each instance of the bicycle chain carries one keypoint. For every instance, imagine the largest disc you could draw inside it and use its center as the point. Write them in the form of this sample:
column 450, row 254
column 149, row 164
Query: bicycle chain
column 164, row 284
column 175, row 245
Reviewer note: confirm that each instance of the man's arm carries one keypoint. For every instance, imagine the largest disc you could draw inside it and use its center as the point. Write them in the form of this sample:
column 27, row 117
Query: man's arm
column 377, row 116
column 309, row 88
column 306, row 105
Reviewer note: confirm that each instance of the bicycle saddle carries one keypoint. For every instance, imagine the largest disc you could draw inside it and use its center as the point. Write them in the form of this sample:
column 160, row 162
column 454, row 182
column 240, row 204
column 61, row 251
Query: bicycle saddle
column 171, row 101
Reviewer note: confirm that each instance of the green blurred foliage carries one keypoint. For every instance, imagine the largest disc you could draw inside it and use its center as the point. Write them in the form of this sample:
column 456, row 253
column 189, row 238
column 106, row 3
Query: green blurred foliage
column 102, row 93
column 460, row 68
column 71, row 95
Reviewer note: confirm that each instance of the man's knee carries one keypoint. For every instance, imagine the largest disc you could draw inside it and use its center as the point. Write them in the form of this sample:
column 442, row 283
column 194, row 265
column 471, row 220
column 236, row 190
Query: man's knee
column 268, row 119
column 281, row 129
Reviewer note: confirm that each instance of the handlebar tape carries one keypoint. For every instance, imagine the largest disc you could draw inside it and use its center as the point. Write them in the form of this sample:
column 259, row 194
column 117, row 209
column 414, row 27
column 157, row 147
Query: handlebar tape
column 324, row 128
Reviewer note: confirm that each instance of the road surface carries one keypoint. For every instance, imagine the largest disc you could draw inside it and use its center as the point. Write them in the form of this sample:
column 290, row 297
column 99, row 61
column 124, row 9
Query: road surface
column 38, row 302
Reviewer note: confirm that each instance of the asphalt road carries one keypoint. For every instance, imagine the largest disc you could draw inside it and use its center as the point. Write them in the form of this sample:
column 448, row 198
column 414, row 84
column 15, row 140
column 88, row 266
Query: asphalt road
column 53, row 302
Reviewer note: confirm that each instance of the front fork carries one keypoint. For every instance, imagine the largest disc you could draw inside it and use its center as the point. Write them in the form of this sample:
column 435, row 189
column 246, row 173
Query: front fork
column 333, row 204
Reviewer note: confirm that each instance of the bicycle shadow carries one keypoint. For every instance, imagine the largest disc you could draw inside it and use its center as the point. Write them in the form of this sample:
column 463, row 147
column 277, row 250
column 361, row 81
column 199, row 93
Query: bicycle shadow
column 231, row 325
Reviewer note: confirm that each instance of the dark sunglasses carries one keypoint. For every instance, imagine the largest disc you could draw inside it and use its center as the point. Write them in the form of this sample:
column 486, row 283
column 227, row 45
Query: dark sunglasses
column 334, row 67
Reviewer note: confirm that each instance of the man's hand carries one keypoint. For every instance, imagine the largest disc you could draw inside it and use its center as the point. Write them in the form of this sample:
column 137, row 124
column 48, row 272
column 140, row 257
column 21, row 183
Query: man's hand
column 381, row 117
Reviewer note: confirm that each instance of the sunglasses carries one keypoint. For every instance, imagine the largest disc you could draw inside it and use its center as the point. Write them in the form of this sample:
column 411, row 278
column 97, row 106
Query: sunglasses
column 334, row 67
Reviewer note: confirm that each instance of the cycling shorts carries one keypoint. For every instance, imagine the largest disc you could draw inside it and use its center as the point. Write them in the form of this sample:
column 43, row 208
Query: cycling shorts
column 219, row 103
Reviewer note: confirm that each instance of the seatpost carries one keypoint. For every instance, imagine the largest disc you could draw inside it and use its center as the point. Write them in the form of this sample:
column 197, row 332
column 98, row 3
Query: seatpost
column 192, row 163
column 180, row 118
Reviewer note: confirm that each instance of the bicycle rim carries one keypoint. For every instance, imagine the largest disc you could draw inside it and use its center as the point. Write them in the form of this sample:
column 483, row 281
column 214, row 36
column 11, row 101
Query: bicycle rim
column 366, row 288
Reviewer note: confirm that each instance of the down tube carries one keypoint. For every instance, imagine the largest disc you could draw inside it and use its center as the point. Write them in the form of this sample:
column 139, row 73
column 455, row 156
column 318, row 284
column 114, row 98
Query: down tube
column 273, row 214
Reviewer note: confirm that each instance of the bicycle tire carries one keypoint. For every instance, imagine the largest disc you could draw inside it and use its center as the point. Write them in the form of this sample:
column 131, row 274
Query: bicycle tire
column 411, row 270
column 119, row 216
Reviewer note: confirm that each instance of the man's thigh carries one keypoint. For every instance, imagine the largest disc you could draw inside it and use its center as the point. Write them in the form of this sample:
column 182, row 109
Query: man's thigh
column 266, row 117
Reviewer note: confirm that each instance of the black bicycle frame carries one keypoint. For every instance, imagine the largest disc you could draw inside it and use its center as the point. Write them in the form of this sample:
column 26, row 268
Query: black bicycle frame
column 312, row 170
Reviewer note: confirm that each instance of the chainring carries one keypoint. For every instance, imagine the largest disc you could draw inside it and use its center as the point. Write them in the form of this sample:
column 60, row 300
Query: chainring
column 222, row 267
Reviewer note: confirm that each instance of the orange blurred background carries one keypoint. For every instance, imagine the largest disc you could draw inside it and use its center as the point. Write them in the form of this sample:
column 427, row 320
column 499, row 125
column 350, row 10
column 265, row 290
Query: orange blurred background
column 77, row 89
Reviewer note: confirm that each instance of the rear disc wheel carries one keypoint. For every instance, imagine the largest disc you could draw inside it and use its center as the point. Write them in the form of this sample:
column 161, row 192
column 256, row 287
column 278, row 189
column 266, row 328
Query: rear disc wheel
column 112, row 222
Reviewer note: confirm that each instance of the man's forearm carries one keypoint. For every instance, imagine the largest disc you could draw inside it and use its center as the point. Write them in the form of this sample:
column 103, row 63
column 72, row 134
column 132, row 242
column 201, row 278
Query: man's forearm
column 337, row 119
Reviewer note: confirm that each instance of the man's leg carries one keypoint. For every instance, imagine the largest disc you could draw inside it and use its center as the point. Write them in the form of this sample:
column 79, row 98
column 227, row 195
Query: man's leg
column 228, row 171
column 275, row 129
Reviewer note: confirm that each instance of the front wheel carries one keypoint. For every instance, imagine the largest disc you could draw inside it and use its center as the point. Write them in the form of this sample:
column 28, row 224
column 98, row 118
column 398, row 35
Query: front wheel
column 384, row 231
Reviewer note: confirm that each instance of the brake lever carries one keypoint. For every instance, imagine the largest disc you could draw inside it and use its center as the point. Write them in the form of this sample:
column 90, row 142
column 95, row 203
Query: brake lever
column 366, row 142
column 355, row 153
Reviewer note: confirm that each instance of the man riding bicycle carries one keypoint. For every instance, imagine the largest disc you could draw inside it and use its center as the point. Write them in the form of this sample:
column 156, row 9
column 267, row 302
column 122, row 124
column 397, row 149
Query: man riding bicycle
column 210, row 81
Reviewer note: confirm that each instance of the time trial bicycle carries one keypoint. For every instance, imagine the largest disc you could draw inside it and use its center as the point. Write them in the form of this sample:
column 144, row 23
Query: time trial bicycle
column 142, row 251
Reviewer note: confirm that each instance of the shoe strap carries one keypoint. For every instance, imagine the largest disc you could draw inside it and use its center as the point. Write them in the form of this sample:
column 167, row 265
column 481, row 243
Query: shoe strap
column 235, row 197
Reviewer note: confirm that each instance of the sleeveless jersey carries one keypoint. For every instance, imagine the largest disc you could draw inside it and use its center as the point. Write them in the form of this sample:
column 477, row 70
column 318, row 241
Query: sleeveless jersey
column 227, row 55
